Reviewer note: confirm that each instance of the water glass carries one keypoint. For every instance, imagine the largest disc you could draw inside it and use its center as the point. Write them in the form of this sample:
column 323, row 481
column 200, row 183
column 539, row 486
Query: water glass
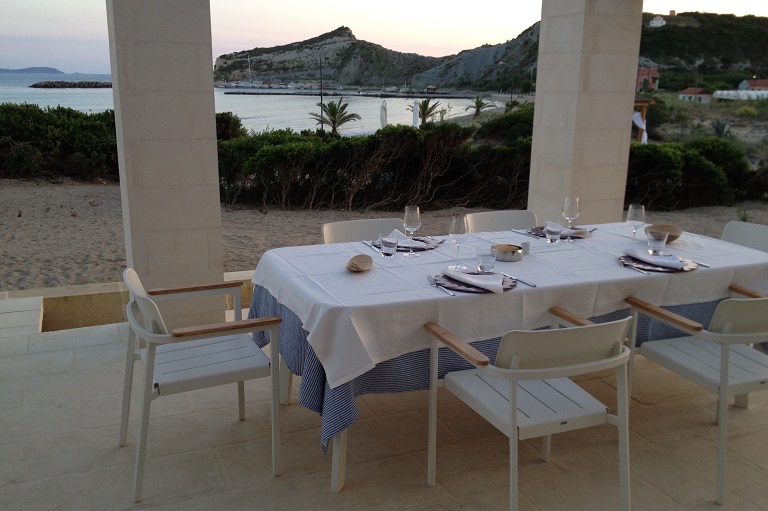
column 552, row 231
column 486, row 257
column 657, row 240
column 388, row 246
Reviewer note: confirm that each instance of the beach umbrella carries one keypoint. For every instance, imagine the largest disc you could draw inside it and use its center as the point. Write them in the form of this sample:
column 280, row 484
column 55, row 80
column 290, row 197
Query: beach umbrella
column 383, row 113
column 415, row 113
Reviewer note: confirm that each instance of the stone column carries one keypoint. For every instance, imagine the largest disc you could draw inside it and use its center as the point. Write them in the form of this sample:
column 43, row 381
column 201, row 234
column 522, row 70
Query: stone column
column 585, row 89
column 162, row 82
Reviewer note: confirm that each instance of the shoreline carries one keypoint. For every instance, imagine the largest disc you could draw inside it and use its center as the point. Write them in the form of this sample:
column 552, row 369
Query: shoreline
column 54, row 235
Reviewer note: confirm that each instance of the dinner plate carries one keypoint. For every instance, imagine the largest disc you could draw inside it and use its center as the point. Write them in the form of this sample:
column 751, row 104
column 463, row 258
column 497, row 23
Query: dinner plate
column 454, row 285
column 642, row 265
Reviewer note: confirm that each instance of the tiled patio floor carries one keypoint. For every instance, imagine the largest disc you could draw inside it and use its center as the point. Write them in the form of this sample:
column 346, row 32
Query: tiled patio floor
column 60, row 397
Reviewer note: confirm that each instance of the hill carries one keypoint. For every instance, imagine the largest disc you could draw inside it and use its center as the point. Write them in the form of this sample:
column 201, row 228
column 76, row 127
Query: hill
column 716, row 51
column 349, row 61
column 32, row 70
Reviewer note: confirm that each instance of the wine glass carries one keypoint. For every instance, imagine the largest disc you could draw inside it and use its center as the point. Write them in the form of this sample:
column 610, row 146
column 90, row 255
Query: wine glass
column 457, row 234
column 411, row 223
column 635, row 218
column 571, row 212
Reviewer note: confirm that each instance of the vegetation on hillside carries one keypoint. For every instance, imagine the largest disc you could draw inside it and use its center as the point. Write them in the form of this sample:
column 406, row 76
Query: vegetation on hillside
column 440, row 164
column 714, row 51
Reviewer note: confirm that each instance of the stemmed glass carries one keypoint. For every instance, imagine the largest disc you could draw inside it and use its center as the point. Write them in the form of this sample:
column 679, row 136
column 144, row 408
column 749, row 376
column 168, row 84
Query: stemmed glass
column 457, row 234
column 571, row 212
column 411, row 223
column 635, row 218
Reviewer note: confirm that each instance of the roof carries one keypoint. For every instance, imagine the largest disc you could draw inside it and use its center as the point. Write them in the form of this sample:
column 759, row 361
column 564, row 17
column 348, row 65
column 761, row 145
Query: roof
column 644, row 71
column 758, row 83
column 695, row 90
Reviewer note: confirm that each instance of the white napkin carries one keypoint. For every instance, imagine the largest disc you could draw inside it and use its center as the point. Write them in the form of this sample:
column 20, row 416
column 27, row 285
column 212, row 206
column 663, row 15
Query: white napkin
column 491, row 282
column 580, row 232
column 404, row 241
column 666, row 260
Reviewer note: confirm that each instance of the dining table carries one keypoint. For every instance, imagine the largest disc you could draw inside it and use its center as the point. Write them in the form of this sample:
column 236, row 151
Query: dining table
column 352, row 333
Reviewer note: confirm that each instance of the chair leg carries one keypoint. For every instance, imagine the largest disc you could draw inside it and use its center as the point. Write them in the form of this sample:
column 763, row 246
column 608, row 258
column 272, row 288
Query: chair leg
column 622, row 413
column 432, row 435
column 141, row 445
column 546, row 447
column 130, row 359
column 513, row 447
column 241, row 400
column 286, row 380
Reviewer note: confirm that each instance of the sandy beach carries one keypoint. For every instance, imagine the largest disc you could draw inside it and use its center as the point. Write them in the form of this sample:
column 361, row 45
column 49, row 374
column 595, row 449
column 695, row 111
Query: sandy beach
column 72, row 233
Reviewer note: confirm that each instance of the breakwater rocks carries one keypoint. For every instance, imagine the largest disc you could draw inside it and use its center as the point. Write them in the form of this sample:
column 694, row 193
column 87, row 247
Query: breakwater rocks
column 58, row 84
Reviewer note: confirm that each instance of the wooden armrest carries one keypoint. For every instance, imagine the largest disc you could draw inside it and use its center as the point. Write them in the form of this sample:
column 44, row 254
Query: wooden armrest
column 460, row 346
column 191, row 289
column 570, row 317
column 223, row 328
column 745, row 291
column 675, row 320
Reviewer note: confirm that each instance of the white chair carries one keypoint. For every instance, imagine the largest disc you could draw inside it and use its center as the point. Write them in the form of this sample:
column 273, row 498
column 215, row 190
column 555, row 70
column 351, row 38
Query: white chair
column 193, row 358
column 747, row 234
column 359, row 230
column 720, row 359
column 504, row 220
column 527, row 392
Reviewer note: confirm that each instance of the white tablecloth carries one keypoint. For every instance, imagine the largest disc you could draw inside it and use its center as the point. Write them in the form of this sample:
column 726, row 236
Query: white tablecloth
column 356, row 320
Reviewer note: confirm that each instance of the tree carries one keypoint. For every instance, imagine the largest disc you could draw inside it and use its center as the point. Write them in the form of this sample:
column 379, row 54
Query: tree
column 334, row 115
column 427, row 110
column 478, row 106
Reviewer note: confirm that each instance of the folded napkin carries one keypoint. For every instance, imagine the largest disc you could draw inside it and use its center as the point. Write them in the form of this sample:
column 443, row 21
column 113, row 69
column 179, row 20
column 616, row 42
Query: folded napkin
column 404, row 241
column 577, row 232
column 492, row 281
column 665, row 260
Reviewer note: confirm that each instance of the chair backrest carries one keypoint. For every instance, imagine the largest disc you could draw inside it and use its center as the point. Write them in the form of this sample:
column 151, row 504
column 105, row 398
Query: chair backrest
column 359, row 230
column 741, row 316
column 504, row 220
column 150, row 314
column 747, row 234
column 560, row 347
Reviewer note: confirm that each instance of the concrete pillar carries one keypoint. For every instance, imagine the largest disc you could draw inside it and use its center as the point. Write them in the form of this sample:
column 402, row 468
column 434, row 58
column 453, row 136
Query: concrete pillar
column 585, row 89
column 162, row 82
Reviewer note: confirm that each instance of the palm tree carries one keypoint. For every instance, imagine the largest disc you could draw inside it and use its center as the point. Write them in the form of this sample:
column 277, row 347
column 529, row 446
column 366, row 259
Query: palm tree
column 479, row 105
column 334, row 115
column 426, row 110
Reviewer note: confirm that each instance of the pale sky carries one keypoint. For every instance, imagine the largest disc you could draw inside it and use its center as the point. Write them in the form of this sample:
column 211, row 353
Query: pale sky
column 71, row 35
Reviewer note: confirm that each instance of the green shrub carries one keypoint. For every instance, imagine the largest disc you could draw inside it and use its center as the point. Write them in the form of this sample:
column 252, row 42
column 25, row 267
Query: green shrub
column 229, row 126
column 507, row 128
column 54, row 142
column 747, row 111
column 704, row 183
column 729, row 156
column 654, row 175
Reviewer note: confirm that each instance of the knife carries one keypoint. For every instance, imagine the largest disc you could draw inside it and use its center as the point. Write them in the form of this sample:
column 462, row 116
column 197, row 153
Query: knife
column 531, row 284
column 372, row 247
column 521, row 231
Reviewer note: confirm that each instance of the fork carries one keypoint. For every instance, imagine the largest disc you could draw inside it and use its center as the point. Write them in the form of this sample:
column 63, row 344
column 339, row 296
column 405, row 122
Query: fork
column 627, row 265
column 432, row 283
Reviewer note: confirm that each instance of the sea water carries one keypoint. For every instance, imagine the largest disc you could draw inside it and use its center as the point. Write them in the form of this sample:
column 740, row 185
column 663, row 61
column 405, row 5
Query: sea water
column 262, row 112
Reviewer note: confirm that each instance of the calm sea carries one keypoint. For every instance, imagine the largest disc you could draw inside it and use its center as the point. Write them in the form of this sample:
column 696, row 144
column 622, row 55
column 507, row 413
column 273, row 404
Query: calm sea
column 257, row 112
